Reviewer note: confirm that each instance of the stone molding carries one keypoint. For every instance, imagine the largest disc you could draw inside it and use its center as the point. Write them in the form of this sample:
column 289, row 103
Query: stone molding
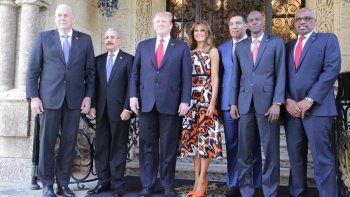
column 143, row 20
column 40, row 3
column 8, row 2
column 325, row 16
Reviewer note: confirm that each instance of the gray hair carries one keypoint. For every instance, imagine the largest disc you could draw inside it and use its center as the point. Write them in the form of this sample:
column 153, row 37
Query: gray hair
column 110, row 29
column 64, row 6
column 164, row 14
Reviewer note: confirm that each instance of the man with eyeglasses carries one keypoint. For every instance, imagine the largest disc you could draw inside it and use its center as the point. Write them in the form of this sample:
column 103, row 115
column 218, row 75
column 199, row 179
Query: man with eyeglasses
column 110, row 106
column 314, row 62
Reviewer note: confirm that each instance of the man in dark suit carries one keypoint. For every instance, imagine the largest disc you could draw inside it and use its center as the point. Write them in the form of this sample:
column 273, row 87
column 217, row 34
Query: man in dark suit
column 258, row 90
column 111, row 101
column 237, row 27
column 60, row 84
column 314, row 62
column 160, row 85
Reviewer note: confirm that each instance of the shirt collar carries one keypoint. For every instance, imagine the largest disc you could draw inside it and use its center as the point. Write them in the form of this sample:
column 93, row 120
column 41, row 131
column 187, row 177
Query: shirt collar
column 244, row 37
column 68, row 34
column 166, row 38
column 259, row 38
column 115, row 53
column 306, row 36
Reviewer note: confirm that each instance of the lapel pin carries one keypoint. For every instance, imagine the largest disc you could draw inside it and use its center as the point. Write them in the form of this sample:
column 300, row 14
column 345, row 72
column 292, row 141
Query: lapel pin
column 121, row 57
column 172, row 44
column 76, row 38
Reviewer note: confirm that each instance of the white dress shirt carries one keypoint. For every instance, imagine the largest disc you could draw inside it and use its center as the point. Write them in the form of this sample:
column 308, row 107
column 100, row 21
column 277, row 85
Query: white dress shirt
column 165, row 43
column 69, row 34
column 253, row 40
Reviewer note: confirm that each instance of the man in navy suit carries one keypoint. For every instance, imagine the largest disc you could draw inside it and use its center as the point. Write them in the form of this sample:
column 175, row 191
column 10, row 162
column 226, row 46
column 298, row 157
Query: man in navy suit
column 160, row 87
column 111, row 105
column 237, row 27
column 258, row 90
column 60, row 84
column 314, row 62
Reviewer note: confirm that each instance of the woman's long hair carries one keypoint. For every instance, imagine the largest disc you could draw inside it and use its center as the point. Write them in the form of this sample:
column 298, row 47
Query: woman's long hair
column 208, row 41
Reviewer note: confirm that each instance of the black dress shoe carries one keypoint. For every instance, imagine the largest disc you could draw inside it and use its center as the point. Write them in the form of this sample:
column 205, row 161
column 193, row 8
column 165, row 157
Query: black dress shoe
column 99, row 188
column 145, row 192
column 118, row 192
column 232, row 191
column 48, row 191
column 169, row 192
column 65, row 191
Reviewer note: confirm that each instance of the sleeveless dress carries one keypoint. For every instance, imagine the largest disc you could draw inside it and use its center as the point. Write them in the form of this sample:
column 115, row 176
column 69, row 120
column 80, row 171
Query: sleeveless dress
column 200, row 134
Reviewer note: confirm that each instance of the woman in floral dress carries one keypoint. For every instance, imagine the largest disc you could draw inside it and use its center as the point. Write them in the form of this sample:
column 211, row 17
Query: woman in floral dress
column 200, row 135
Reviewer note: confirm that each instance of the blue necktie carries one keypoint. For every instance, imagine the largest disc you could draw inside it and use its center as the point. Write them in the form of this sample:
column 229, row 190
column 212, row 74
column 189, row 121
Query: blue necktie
column 66, row 48
column 109, row 65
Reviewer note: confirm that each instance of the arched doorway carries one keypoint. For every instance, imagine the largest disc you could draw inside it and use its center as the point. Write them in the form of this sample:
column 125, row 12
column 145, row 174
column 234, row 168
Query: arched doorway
column 278, row 14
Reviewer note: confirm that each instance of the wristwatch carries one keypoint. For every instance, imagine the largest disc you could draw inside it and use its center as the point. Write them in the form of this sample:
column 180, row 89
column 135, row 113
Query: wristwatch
column 309, row 100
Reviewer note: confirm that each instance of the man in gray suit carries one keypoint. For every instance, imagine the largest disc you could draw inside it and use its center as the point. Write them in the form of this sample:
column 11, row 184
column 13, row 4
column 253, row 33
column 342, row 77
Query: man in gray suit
column 60, row 84
column 257, row 91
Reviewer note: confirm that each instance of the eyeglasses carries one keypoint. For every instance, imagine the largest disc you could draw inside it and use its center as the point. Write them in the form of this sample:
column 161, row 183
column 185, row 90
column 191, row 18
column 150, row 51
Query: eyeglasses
column 306, row 19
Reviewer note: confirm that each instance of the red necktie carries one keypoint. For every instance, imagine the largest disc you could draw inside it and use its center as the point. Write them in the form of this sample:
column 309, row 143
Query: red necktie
column 159, row 53
column 298, row 51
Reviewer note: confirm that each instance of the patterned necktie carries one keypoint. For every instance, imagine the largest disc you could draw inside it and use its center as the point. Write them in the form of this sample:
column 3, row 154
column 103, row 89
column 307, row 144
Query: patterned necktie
column 109, row 65
column 298, row 51
column 255, row 50
column 159, row 53
column 66, row 48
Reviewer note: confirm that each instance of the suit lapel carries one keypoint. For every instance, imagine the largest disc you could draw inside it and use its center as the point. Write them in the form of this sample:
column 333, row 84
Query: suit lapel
column 74, row 46
column 229, row 51
column 168, row 51
column 116, row 65
column 247, row 43
column 152, row 47
column 306, row 48
column 291, row 53
column 102, row 66
column 57, row 41
column 262, row 48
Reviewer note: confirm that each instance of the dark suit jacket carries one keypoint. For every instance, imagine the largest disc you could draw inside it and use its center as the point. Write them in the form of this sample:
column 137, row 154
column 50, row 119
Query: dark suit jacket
column 265, row 82
column 112, row 95
column 318, row 69
column 166, row 87
column 52, row 80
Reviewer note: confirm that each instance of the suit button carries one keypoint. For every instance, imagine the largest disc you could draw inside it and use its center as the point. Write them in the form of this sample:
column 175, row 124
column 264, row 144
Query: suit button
column 251, row 84
column 253, row 73
column 157, row 72
column 64, row 81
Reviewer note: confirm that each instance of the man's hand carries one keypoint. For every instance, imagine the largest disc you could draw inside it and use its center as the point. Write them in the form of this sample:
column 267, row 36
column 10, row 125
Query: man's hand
column 183, row 109
column 134, row 105
column 303, row 106
column 273, row 113
column 125, row 115
column 92, row 113
column 292, row 108
column 210, row 110
column 36, row 105
column 85, row 105
column 234, row 112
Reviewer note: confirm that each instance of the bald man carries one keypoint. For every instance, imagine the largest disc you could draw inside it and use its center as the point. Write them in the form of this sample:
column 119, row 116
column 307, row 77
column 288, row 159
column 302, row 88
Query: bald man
column 257, row 91
column 60, row 84
column 313, row 66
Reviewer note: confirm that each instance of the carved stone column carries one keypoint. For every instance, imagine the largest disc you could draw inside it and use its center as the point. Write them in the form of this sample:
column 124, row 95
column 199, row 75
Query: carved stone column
column 8, row 20
column 28, row 31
